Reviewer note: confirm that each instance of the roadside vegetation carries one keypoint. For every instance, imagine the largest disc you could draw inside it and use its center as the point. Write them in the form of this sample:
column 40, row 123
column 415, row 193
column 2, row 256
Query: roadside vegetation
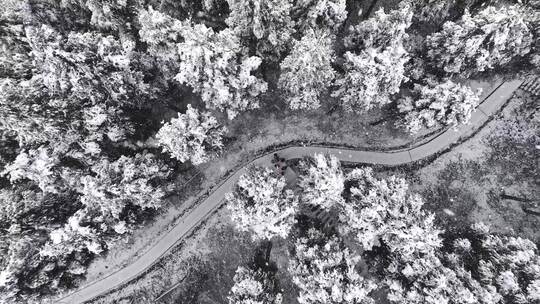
column 370, row 239
column 106, row 107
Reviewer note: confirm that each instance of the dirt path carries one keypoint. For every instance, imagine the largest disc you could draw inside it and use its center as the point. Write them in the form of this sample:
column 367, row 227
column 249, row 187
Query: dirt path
column 215, row 199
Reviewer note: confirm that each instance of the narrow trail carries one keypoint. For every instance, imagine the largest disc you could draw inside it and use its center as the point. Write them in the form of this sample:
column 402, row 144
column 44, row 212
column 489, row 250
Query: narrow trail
column 215, row 199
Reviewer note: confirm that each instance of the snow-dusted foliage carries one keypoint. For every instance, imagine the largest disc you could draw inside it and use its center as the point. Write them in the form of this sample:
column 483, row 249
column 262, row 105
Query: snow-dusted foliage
column 193, row 136
column 307, row 73
column 433, row 10
column 321, row 181
column 370, row 78
column 35, row 165
column 320, row 14
column 267, row 21
column 324, row 271
column 476, row 43
column 481, row 268
column 382, row 211
column 374, row 66
column 71, row 238
column 162, row 33
column 110, row 14
column 74, row 74
column 112, row 185
column 426, row 280
column 87, row 66
column 111, row 195
column 261, row 204
column 436, row 12
column 70, row 87
column 214, row 65
column 253, row 287
column 506, row 267
column 381, row 31
column 438, row 104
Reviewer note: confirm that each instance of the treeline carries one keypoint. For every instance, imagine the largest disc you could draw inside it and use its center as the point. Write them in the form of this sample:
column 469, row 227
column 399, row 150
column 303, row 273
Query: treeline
column 83, row 156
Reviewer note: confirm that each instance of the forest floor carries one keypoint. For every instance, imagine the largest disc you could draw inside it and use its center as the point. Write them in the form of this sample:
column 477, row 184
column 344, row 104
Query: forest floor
column 216, row 249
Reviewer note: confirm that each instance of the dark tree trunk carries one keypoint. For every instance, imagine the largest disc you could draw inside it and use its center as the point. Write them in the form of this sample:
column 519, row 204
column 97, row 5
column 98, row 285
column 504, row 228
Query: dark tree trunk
column 514, row 198
column 369, row 10
column 267, row 253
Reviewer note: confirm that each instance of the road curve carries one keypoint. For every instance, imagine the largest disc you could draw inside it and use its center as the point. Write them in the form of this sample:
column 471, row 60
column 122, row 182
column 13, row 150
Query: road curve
column 215, row 199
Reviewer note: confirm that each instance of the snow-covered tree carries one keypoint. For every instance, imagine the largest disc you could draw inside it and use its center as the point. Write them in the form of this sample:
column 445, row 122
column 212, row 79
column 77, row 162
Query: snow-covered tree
column 73, row 238
column 307, row 73
column 26, row 214
column 261, row 204
column 66, row 94
column 211, row 11
column 193, row 136
column 475, row 43
column 213, row 64
column 370, row 78
column 447, row 104
column 382, row 211
column 112, row 185
column 34, row 165
column 268, row 22
column 426, row 280
column 374, row 66
column 162, row 33
column 15, row 61
column 436, row 12
column 88, row 66
column 381, row 31
column 506, row 266
column 72, row 73
column 253, row 287
column 321, row 180
column 109, row 14
column 324, row 271
column 327, row 15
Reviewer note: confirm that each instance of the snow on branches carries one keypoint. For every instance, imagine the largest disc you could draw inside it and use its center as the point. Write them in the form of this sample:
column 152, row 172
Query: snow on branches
column 192, row 136
column 374, row 66
column 476, row 43
column 307, row 73
column 381, row 211
column 113, row 184
column 268, row 21
column 370, row 78
column 326, row 15
column 253, row 287
column 506, row 267
column 261, row 204
column 446, row 104
column 381, row 31
column 321, row 181
column 213, row 64
column 324, row 271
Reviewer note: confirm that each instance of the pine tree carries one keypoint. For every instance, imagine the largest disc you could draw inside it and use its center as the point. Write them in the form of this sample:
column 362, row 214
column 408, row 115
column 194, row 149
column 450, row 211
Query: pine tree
column 480, row 42
column 253, row 287
column 438, row 104
column 321, row 181
column 193, row 136
column 324, row 271
column 307, row 73
column 261, row 204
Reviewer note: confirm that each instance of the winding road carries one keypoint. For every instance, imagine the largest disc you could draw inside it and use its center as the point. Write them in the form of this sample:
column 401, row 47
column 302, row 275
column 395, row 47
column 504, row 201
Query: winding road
column 214, row 200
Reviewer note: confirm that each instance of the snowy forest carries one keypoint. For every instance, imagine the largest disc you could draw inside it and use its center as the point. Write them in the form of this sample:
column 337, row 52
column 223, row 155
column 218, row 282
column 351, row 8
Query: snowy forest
column 108, row 108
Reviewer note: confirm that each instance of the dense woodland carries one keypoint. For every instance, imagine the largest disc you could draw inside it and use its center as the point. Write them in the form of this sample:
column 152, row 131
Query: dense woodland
column 85, row 156
column 384, row 243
